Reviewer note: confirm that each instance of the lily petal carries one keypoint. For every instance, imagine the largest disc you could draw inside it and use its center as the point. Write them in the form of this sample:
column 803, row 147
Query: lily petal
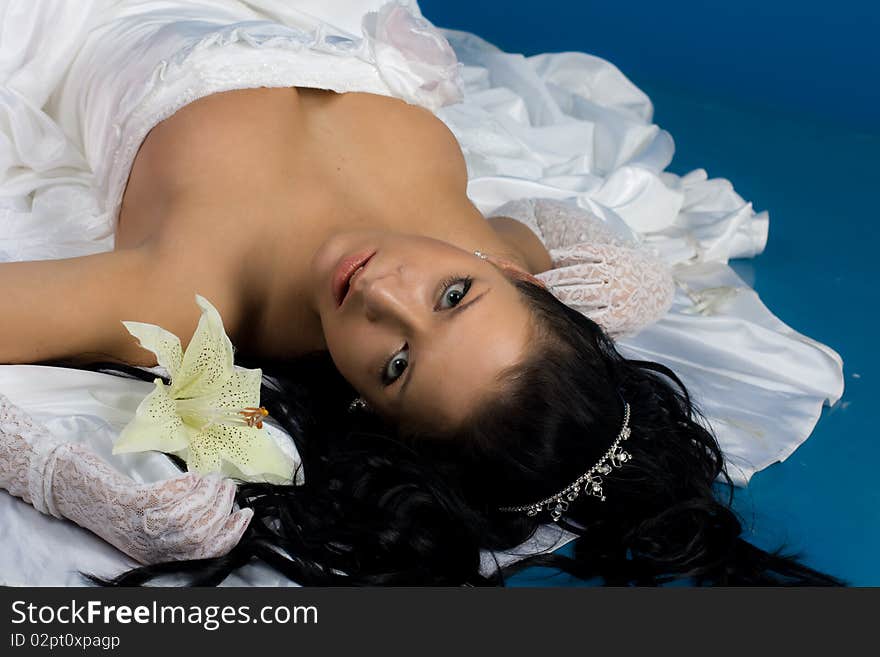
column 208, row 359
column 164, row 344
column 156, row 426
column 240, row 390
column 223, row 405
column 240, row 451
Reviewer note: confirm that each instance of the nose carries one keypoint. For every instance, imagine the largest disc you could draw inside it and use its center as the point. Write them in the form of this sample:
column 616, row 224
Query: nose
column 388, row 296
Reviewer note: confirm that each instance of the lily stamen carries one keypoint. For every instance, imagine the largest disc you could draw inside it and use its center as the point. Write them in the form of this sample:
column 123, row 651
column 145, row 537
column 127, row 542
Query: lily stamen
column 254, row 416
column 251, row 416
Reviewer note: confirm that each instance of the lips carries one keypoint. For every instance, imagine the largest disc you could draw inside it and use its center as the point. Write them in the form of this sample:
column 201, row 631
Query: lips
column 345, row 271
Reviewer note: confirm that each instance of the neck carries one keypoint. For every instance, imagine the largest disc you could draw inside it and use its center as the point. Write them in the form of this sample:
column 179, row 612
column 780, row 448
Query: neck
column 473, row 232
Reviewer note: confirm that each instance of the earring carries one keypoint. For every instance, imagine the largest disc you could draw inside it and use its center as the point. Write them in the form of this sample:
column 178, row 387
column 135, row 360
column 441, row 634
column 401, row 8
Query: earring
column 358, row 404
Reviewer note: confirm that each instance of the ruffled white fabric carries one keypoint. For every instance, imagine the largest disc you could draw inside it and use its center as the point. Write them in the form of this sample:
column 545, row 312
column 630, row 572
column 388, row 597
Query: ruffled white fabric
column 82, row 83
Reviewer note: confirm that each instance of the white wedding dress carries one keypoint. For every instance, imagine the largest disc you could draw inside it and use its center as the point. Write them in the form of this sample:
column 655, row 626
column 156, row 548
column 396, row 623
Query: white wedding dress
column 82, row 83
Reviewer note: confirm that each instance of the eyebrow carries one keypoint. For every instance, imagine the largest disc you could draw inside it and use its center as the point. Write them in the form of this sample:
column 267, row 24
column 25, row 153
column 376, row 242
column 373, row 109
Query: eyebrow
column 452, row 315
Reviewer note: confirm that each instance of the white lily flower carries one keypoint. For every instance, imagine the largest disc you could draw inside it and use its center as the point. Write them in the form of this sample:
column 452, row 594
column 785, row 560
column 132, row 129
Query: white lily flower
column 210, row 414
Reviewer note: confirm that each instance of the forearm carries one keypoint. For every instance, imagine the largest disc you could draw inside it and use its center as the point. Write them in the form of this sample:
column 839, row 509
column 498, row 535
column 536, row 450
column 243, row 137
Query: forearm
column 25, row 450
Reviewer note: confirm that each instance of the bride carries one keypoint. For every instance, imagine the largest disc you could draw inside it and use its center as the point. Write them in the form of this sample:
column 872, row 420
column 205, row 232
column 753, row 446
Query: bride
column 450, row 380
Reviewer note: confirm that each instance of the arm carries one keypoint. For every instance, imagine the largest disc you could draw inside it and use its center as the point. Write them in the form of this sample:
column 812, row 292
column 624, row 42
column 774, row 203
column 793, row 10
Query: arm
column 70, row 308
column 185, row 517
column 70, row 311
column 617, row 283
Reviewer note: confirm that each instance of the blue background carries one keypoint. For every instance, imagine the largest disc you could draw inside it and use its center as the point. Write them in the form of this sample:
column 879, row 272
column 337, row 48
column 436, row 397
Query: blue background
column 781, row 98
column 807, row 57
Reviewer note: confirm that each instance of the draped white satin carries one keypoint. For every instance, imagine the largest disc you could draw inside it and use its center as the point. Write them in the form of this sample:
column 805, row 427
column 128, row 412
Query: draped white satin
column 82, row 83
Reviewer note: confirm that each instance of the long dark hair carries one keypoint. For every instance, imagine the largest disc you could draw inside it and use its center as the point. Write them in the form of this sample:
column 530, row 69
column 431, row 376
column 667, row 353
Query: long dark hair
column 380, row 507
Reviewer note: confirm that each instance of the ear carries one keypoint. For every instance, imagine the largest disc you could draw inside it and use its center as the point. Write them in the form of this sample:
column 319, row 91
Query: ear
column 514, row 270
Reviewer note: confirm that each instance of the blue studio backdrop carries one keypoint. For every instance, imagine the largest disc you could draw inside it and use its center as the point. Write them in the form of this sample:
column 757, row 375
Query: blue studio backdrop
column 782, row 98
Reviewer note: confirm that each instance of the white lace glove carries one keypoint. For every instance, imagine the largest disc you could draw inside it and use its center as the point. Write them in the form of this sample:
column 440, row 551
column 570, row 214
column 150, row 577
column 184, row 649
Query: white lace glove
column 617, row 283
column 185, row 517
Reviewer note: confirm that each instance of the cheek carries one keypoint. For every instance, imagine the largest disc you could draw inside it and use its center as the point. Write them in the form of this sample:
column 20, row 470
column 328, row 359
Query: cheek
column 352, row 348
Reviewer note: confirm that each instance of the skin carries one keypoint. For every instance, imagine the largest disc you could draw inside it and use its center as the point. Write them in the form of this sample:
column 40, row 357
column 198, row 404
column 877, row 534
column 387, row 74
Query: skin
column 402, row 306
column 250, row 198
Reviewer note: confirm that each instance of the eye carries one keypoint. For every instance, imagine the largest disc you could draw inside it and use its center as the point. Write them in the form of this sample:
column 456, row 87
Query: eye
column 395, row 366
column 454, row 290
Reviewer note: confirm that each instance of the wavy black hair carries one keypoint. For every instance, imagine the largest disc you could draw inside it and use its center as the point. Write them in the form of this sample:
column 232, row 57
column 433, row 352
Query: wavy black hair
column 383, row 507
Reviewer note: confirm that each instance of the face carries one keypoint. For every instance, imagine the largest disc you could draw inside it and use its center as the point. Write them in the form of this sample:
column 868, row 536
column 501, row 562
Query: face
column 424, row 328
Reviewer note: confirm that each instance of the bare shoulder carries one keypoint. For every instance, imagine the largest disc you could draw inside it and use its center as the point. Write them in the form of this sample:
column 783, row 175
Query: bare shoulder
column 392, row 139
column 428, row 143
column 522, row 240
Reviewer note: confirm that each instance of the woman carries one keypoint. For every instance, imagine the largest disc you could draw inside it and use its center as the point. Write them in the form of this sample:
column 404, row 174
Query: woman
column 334, row 234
